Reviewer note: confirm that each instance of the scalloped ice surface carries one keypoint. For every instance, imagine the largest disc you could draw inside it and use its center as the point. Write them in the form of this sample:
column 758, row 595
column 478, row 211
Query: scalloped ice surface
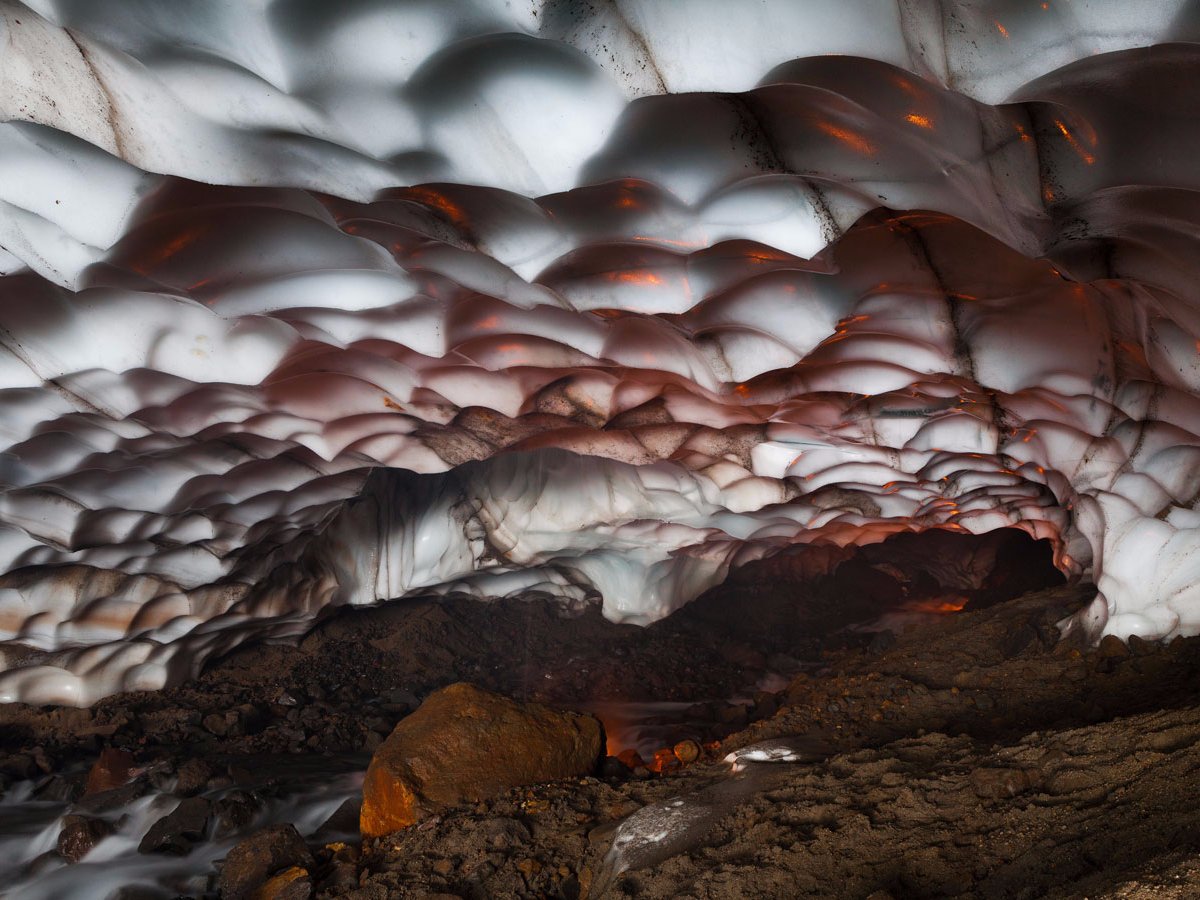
column 306, row 304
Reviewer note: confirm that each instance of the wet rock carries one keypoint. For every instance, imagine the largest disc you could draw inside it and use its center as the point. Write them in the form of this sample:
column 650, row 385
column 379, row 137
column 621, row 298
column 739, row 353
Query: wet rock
column 234, row 812
column 343, row 820
column 193, row 777
column 178, row 831
column 18, row 765
column 79, row 835
column 687, row 752
column 290, row 884
column 113, row 769
column 468, row 744
column 44, row 863
column 43, row 761
column 114, row 799
column 251, row 863
column 61, row 788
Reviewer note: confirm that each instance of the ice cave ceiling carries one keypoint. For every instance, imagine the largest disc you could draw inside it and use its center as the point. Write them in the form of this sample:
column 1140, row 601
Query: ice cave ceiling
column 309, row 303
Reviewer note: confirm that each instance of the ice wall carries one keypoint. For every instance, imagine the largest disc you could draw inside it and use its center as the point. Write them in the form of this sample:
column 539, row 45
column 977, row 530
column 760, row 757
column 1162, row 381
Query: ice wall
column 306, row 304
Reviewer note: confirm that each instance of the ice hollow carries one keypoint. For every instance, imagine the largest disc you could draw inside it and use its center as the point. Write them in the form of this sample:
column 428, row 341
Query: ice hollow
column 305, row 305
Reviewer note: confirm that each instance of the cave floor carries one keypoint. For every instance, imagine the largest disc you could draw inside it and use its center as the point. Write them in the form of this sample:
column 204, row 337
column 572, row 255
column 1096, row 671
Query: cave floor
column 972, row 755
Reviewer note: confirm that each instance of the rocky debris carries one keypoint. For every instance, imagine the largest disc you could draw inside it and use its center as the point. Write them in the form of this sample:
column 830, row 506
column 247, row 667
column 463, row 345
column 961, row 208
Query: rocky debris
column 1054, row 812
column 956, row 676
column 245, row 719
column 113, row 769
column 465, row 743
column 268, row 852
column 180, row 830
column 79, row 835
column 1054, row 808
column 337, row 868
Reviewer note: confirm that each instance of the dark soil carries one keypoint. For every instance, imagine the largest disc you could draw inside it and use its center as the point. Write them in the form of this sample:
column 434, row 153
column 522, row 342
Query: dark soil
column 970, row 754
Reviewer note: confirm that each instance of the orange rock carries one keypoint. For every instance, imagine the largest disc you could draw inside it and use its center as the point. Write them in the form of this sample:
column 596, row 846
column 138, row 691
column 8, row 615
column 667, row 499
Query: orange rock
column 631, row 758
column 687, row 752
column 664, row 760
column 290, row 884
column 466, row 744
column 113, row 769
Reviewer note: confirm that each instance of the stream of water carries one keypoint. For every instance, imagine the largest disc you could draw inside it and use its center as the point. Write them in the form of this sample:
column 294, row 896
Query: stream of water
column 305, row 793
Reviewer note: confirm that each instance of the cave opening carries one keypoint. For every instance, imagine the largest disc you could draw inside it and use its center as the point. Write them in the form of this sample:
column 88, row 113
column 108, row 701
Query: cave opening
column 707, row 448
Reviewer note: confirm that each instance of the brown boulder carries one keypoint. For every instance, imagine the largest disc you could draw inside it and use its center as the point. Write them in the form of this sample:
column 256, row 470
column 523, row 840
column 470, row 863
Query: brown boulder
column 193, row 777
column 79, row 835
column 180, row 830
column 113, row 769
column 467, row 744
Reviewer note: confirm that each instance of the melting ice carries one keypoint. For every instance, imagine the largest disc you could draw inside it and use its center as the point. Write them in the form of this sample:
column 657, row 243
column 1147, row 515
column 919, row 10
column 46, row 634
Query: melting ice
column 306, row 304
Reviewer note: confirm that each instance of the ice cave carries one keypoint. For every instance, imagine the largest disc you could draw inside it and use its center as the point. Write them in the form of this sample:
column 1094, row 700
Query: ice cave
column 599, row 448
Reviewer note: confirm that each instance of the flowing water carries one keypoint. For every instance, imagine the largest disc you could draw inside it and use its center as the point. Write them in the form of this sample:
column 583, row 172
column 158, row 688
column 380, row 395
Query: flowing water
column 304, row 793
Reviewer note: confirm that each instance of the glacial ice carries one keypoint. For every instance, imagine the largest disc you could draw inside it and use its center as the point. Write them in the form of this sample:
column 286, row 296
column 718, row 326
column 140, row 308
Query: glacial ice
column 308, row 304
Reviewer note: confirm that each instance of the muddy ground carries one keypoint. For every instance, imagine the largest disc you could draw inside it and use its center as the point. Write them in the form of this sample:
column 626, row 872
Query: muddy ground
column 965, row 753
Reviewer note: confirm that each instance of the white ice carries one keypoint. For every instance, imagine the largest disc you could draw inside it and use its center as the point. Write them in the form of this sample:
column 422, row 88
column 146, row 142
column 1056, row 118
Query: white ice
column 306, row 304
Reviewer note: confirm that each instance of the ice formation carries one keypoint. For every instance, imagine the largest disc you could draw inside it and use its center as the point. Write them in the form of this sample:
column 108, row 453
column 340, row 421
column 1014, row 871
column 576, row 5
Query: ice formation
column 306, row 304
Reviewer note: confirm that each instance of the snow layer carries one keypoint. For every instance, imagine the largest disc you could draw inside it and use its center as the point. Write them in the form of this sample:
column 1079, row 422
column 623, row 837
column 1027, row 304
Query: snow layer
column 309, row 304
